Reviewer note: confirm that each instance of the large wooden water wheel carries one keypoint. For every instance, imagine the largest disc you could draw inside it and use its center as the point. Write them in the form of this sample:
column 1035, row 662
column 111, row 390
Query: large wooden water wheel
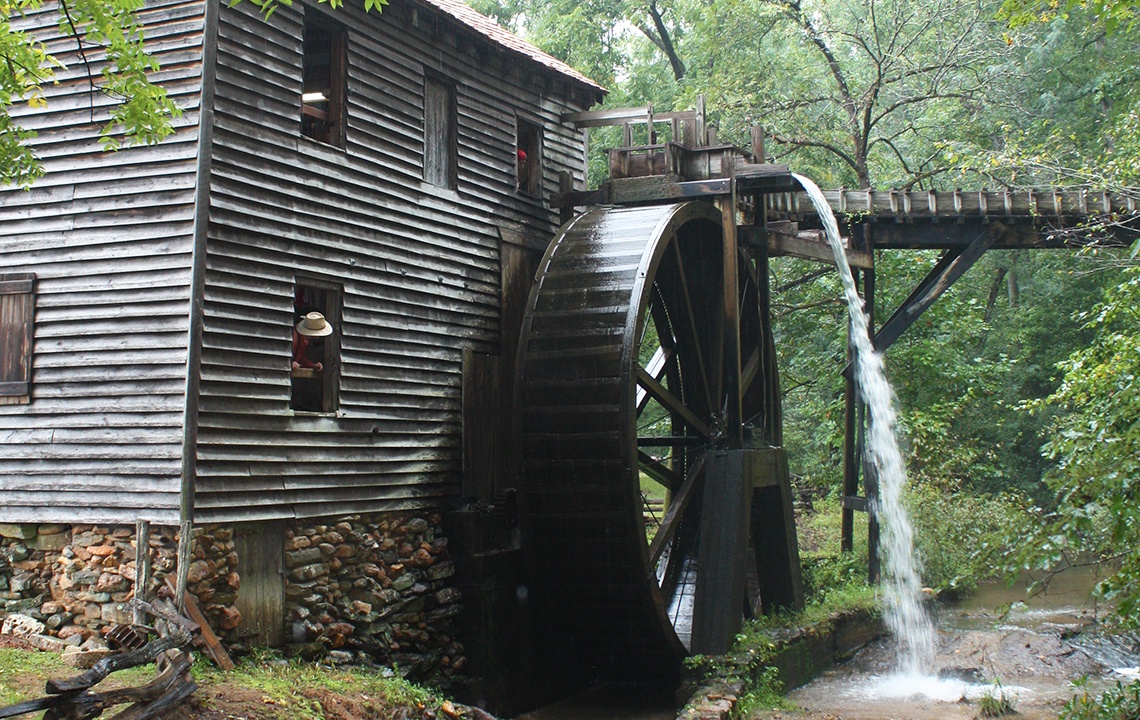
column 655, row 492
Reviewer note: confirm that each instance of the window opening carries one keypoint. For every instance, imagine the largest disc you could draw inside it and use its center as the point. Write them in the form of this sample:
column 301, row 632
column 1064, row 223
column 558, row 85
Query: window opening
column 439, row 133
column 323, row 90
column 316, row 346
column 17, row 305
column 528, row 152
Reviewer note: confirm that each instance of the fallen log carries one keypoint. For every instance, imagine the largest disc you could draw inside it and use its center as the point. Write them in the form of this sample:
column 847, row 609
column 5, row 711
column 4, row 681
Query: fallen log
column 108, row 665
column 73, row 699
column 28, row 706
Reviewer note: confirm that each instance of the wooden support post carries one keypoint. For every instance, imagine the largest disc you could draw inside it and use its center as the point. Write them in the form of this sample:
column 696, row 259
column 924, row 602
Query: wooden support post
column 183, row 570
column 722, row 583
column 774, row 541
column 870, row 475
column 733, row 421
column 142, row 566
column 565, row 186
column 758, row 144
column 850, row 452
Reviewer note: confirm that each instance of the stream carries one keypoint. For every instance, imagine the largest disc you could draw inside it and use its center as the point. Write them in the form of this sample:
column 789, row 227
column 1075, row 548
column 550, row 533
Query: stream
column 1034, row 647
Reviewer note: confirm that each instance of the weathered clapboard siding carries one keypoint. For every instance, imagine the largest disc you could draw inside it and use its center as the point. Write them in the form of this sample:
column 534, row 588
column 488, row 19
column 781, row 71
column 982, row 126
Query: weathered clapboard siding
column 419, row 265
column 109, row 237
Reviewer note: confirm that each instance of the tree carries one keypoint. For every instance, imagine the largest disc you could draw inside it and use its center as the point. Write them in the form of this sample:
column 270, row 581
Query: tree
column 870, row 85
column 1110, row 14
column 1096, row 441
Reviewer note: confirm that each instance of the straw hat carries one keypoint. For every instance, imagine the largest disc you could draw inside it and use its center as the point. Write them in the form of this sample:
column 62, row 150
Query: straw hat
column 314, row 325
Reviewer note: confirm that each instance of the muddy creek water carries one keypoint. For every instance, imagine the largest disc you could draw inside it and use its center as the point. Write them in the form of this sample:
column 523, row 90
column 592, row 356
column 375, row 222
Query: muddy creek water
column 996, row 641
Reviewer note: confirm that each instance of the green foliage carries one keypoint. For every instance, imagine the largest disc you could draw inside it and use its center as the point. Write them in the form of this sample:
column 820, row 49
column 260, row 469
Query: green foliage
column 1109, row 14
column 1096, row 443
column 293, row 687
column 112, row 45
column 1121, row 702
column 288, row 687
column 950, row 529
column 765, row 692
column 268, row 7
column 994, row 702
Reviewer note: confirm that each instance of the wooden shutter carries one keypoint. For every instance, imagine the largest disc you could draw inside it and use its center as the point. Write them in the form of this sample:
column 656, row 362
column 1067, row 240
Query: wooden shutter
column 439, row 134
column 17, row 304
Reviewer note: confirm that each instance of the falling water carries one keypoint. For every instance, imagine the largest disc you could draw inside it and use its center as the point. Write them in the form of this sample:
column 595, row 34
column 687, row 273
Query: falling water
column 905, row 615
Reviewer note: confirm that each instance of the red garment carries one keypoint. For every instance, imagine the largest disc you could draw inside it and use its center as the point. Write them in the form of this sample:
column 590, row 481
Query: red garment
column 301, row 351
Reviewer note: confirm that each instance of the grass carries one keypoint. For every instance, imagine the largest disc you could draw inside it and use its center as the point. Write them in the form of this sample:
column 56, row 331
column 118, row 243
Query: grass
column 16, row 666
column 286, row 684
column 286, row 690
column 994, row 702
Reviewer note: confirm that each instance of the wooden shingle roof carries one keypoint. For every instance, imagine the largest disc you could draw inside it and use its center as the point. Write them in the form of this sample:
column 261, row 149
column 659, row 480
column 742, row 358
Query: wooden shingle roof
column 507, row 40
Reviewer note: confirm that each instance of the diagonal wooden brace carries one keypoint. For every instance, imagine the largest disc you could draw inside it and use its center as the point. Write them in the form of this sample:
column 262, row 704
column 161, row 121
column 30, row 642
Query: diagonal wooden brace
column 952, row 265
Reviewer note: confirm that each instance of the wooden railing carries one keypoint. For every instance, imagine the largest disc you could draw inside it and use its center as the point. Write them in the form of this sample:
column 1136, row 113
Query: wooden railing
column 904, row 204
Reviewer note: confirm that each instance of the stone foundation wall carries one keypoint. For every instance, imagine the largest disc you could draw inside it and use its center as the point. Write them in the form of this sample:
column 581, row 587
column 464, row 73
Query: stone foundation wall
column 76, row 579
column 214, row 577
column 375, row 588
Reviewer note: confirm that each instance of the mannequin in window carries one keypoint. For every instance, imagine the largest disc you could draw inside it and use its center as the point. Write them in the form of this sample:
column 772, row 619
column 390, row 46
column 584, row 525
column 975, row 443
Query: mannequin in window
column 305, row 333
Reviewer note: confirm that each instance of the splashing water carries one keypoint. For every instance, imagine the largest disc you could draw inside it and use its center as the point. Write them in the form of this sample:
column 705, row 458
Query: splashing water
column 906, row 618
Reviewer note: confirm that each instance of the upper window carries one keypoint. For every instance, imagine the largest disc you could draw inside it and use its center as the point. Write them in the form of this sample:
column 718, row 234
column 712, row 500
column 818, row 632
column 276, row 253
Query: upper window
column 17, row 304
column 439, row 133
column 528, row 152
column 316, row 346
column 323, row 93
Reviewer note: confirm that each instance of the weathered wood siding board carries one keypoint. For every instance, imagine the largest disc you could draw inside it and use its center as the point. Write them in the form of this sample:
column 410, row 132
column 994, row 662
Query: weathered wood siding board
column 108, row 236
column 419, row 265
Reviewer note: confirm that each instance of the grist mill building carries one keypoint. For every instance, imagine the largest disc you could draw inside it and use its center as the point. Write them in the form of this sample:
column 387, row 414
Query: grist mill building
column 391, row 172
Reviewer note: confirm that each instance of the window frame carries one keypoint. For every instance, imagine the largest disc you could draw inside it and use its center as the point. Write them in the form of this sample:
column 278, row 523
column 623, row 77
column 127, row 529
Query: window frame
column 17, row 332
column 331, row 305
column 442, row 146
column 330, row 126
column 529, row 139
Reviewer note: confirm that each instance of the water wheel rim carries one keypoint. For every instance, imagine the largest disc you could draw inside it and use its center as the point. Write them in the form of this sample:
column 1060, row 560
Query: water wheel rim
column 655, row 232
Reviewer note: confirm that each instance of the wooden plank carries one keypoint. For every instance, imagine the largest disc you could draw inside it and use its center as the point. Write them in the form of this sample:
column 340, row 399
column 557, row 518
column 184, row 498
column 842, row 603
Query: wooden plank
column 142, row 566
column 261, row 601
column 214, row 646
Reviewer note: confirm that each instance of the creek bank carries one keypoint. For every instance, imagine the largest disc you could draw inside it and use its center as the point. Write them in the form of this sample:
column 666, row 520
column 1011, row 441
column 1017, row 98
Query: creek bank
column 797, row 654
column 997, row 640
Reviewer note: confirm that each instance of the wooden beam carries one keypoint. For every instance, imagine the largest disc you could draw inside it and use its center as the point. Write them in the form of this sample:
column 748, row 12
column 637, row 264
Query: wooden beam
column 949, row 268
column 656, row 470
column 676, row 511
column 808, row 249
column 142, row 566
column 671, row 402
column 855, row 504
column 620, row 116
column 214, row 646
